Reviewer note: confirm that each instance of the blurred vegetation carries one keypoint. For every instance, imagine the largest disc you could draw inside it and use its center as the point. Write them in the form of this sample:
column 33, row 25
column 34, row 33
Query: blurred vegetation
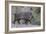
column 36, row 15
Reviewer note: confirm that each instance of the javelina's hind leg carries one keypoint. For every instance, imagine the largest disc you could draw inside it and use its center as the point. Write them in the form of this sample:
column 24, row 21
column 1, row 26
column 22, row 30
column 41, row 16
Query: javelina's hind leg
column 13, row 22
column 18, row 21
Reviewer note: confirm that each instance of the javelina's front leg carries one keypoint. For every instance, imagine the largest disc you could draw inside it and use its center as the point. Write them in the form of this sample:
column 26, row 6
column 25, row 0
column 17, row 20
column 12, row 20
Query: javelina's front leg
column 30, row 21
column 26, row 21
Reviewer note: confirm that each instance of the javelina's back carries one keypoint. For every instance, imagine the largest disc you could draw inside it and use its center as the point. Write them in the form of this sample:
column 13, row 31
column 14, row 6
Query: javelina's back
column 24, row 15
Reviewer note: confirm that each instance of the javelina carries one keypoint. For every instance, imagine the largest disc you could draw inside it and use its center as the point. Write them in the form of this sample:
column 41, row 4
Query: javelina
column 27, row 16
